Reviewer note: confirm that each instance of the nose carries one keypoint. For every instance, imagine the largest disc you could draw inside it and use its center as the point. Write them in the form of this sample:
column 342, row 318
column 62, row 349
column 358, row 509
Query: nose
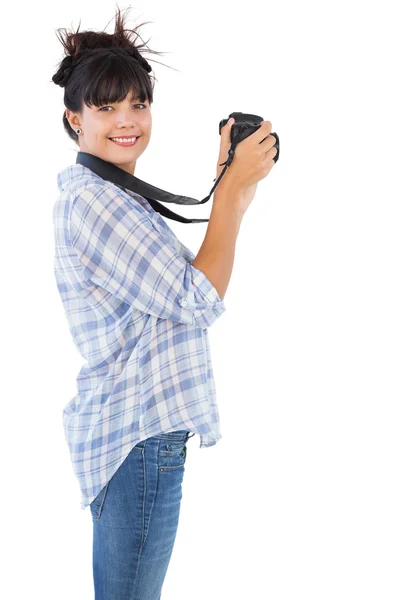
column 125, row 119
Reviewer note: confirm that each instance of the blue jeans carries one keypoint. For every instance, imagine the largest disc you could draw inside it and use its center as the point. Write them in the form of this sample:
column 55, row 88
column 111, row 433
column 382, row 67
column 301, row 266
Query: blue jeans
column 135, row 519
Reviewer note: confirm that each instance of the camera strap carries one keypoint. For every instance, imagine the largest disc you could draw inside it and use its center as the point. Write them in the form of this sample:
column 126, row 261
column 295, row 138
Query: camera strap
column 151, row 193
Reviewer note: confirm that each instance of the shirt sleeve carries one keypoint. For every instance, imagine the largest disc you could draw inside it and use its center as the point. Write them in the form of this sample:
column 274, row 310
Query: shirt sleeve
column 123, row 252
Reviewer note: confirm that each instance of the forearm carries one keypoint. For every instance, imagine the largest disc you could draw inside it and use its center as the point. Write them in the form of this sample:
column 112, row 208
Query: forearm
column 217, row 252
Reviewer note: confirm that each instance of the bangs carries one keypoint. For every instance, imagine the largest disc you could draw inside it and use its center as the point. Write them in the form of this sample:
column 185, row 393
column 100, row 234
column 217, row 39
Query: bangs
column 112, row 78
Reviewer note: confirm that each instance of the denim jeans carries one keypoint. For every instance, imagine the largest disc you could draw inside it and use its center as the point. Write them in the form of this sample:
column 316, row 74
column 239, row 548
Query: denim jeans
column 135, row 519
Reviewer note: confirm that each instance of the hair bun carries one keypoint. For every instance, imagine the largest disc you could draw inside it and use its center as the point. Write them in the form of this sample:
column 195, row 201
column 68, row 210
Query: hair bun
column 64, row 72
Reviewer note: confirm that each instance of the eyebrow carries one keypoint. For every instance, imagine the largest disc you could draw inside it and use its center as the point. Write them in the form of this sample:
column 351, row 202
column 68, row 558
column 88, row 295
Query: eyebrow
column 134, row 98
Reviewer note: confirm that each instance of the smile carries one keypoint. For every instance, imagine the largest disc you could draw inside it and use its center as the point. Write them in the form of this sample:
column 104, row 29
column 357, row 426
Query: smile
column 119, row 143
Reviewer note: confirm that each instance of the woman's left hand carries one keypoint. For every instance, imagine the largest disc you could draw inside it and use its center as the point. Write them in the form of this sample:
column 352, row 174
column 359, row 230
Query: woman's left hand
column 249, row 193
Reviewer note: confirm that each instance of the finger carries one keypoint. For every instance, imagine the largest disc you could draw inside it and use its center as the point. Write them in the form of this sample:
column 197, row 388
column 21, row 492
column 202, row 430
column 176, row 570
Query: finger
column 263, row 131
column 268, row 142
column 270, row 154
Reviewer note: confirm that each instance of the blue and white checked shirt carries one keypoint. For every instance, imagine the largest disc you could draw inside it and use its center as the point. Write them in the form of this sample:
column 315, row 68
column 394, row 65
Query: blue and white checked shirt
column 138, row 313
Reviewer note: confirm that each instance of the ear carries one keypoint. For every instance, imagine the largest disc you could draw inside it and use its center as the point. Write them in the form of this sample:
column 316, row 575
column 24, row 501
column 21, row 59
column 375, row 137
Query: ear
column 72, row 118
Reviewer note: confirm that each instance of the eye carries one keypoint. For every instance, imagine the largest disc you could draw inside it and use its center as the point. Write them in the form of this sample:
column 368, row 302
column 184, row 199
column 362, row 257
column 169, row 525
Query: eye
column 144, row 106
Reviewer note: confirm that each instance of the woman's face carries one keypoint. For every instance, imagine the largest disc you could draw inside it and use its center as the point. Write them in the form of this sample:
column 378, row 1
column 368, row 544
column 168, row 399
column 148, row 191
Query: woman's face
column 128, row 118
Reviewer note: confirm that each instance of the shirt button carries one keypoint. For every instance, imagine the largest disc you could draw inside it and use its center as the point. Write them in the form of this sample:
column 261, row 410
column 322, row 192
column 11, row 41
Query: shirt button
column 183, row 302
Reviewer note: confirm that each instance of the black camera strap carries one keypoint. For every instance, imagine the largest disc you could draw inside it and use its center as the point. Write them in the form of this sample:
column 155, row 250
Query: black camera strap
column 152, row 194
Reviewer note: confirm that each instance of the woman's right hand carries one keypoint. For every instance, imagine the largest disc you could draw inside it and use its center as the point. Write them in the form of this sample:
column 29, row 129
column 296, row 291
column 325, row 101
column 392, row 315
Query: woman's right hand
column 252, row 160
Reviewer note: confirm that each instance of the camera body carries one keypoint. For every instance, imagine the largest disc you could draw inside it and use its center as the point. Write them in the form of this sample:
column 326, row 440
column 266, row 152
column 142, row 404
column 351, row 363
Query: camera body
column 245, row 124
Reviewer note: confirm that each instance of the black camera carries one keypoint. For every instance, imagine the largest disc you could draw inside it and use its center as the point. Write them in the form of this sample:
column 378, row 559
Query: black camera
column 245, row 124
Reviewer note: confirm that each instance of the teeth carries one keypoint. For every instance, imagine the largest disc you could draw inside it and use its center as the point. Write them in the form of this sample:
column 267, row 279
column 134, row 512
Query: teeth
column 124, row 139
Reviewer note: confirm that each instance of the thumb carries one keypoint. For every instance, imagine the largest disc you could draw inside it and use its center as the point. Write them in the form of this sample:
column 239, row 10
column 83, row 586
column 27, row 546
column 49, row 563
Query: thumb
column 225, row 143
column 226, row 130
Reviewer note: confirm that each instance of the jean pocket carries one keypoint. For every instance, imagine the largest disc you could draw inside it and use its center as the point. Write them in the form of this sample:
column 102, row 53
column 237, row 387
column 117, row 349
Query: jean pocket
column 171, row 454
column 96, row 506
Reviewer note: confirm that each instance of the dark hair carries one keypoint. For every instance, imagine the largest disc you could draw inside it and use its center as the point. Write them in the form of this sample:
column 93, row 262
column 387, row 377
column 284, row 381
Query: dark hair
column 101, row 68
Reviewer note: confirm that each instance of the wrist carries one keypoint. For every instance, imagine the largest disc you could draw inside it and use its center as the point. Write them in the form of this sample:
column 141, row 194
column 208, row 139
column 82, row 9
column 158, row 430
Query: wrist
column 229, row 198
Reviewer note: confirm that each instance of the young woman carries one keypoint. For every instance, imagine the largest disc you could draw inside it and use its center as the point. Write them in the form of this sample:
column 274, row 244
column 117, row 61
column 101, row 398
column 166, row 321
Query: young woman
column 138, row 305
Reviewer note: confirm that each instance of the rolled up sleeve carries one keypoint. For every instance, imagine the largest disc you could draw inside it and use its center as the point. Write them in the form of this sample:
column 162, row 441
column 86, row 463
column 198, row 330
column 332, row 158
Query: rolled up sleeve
column 121, row 251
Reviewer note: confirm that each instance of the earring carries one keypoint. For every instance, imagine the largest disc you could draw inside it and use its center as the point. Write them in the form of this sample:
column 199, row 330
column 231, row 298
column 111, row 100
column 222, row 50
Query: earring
column 79, row 131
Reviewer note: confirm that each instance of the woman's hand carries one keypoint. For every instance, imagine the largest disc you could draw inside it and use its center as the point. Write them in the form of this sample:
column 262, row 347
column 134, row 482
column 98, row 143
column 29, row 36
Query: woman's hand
column 247, row 193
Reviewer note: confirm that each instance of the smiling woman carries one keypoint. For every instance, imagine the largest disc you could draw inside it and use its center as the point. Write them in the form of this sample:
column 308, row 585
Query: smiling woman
column 108, row 93
column 138, row 311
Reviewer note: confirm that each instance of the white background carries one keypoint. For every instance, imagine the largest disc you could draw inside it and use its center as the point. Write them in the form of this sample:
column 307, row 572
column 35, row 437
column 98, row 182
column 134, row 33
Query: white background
column 300, row 497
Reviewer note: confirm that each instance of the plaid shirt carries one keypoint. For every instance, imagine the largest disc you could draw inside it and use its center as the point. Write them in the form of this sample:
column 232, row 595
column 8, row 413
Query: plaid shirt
column 138, row 312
